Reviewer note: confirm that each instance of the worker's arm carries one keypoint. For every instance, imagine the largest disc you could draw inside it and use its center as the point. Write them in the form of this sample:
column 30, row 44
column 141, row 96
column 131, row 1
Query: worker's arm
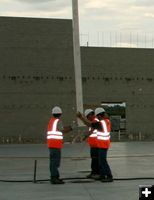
column 67, row 129
column 97, row 125
column 84, row 119
column 64, row 129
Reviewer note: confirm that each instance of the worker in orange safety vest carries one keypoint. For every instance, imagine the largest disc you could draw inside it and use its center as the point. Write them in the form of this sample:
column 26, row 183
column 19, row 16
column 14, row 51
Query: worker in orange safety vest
column 55, row 142
column 103, row 139
column 89, row 118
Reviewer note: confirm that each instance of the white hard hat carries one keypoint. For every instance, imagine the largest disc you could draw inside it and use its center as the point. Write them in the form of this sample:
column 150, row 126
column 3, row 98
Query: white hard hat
column 87, row 112
column 99, row 110
column 56, row 110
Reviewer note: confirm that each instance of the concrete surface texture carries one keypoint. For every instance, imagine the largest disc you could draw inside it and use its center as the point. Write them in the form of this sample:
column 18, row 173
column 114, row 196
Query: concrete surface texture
column 36, row 74
column 127, row 160
column 121, row 75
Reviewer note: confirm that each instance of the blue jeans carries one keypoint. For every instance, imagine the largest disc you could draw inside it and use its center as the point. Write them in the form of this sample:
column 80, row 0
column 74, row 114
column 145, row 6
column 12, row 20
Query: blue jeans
column 94, row 160
column 55, row 157
column 103, row 164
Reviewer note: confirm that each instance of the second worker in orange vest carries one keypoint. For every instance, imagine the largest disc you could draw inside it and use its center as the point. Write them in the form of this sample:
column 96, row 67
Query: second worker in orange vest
column 103, row 139
column 89, row 119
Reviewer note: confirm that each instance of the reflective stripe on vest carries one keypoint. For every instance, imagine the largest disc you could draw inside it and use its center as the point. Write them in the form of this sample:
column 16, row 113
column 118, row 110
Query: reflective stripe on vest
column 94, row 133
column 96, row 119
column 92, row 139
column 104, row 135
column 55, row 137
column 54, row 134
column 93, row 130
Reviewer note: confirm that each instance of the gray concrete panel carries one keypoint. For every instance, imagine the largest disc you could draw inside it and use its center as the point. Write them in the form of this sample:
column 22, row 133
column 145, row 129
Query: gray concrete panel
column 121, row 75
column 36, row 74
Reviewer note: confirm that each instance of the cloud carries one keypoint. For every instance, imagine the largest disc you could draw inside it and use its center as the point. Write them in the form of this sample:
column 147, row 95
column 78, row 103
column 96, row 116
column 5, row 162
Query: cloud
column 95, row 4
column 36, row 8
column 34, row 1
column 110, row 9
column 110, row 15
column 40, row 14
column 149, row 15
column 144, row 3
column 4, row 1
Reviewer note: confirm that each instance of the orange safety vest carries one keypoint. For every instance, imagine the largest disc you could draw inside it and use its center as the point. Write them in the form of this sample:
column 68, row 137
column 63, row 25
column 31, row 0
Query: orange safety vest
column 92, row 139
column 54, row 136
column 103, row 137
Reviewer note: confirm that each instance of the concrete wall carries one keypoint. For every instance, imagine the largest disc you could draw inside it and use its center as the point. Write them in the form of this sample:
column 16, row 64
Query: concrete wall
column 122, row 75
column 36, row 73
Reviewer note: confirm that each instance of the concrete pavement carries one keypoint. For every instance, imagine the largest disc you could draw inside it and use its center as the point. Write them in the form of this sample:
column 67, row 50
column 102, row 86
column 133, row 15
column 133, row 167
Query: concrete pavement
column 133, row 159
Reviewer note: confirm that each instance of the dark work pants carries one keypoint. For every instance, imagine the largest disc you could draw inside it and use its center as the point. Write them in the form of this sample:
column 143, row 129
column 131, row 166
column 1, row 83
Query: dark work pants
column 55, row 157
column 103, row 164
column 94, row 160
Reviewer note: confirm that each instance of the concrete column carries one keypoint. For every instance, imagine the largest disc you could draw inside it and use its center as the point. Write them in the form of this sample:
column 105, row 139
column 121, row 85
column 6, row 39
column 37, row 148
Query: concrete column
column 77, row 58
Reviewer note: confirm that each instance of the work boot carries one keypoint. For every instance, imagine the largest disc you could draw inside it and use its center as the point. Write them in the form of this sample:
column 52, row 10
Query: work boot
column 99, row 177
column 107, row 179
column 57, row 181
column 95, row 176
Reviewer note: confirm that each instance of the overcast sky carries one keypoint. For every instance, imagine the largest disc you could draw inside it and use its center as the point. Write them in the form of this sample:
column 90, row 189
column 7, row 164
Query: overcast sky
column 100, row 20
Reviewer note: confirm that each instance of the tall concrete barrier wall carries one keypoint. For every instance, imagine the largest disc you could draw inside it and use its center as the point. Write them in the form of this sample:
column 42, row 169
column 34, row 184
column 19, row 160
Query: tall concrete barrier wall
column 122, row 75
column 37, row 73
